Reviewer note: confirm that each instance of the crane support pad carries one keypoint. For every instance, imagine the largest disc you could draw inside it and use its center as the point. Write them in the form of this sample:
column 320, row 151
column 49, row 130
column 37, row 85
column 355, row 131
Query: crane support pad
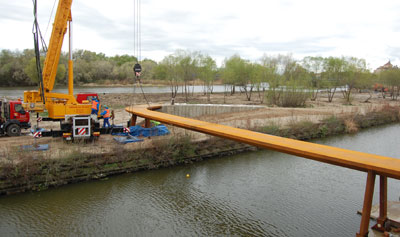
column 41, row 147
column 127, row 139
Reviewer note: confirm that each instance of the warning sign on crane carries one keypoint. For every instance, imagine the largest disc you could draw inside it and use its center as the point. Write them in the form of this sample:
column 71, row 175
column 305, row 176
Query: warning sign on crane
column 81, row 131
column 37, row 134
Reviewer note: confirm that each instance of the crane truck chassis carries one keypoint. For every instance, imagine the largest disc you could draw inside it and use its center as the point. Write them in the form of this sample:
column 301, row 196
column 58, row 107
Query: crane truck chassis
column 80, row 126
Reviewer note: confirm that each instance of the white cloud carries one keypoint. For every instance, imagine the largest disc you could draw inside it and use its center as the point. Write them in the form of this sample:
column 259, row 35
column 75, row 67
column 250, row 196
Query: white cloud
column 366, row 29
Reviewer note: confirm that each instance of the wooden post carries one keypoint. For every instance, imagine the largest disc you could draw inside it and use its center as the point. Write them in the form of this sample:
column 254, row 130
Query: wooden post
column 133, row 120
column 366, row 211
column 147, row 123
column 383, row 197
column 380, row 222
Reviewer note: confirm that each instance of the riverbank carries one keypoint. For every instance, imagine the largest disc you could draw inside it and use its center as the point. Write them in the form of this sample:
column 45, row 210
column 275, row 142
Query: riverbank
column 70, row 163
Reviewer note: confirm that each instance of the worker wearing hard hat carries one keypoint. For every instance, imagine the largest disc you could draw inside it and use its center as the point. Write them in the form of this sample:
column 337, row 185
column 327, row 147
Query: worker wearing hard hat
column 95, row 106
column 106, row 116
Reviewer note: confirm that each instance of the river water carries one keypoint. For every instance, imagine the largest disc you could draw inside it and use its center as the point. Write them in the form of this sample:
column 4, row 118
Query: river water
column 261, row 193
column 18, row 92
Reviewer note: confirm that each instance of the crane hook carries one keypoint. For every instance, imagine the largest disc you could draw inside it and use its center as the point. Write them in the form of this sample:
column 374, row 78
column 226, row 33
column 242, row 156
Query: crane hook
column 137, row 69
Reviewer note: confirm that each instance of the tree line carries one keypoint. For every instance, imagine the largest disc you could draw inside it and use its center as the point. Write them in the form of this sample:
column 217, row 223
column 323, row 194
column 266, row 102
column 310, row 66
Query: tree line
column 275, row 79
column 279, row 79
column 18, row 68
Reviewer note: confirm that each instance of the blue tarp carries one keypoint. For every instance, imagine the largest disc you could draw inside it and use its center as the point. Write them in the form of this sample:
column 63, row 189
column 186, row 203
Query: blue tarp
column 137, row 131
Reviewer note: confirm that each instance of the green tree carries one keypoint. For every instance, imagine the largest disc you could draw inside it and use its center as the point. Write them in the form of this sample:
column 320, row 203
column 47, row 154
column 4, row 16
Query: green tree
column 288, row 82
column 260, row 80
column 273, row 78
column 296, row 92
column 366, row 83
column 228, row 75
column 207, row 70
column 168, row 70
column 124, row 72
column 61, row 74
column 391, row 79
column 353, row 75
column 12, row 68
column 119, row 60
column 148, row 67
column 101, row 70
column 82, row 71
column 88, row 55
column 315, row 66
column 186, row 68
column 332, row 75
column 238, row 71
column 31, row 71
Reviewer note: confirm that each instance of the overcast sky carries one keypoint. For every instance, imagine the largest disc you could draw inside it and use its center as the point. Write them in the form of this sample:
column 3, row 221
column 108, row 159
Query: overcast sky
column 368, row 29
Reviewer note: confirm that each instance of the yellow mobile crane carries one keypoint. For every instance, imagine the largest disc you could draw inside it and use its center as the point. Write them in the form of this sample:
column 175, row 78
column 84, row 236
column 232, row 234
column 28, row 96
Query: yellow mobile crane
column 58, row 105
column 73, row 113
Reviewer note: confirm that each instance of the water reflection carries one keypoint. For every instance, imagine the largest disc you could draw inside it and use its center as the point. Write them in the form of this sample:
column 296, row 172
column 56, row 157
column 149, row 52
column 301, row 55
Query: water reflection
column 262, row 193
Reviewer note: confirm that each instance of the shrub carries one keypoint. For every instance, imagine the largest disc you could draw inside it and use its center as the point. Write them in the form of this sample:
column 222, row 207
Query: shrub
column 271, row 129
column 350, row 125
column 334, row 125
column 304, row 130
column 287, row 98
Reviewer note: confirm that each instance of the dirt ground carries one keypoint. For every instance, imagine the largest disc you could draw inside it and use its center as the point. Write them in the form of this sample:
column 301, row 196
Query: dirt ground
column 314, row 111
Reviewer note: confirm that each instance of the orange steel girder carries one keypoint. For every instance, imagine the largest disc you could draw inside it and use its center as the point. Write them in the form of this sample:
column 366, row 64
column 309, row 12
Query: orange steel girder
column 370, row 163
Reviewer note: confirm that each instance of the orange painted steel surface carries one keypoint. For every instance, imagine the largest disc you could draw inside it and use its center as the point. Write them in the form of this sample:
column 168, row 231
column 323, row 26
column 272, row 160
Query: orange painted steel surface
column 381, row 165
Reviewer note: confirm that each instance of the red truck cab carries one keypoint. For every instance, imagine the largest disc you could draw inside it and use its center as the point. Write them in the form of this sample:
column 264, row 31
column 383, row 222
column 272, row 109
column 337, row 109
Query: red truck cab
column 13, row 118
column 17, row 112
column 86, row 96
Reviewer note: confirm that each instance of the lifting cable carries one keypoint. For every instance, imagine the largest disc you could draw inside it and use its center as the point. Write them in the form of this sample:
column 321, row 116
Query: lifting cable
column 137, row 47
column 51, row 16
column 36, row 33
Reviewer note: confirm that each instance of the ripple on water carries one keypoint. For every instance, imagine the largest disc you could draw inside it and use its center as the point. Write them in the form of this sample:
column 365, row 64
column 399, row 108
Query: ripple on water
column 254, row 194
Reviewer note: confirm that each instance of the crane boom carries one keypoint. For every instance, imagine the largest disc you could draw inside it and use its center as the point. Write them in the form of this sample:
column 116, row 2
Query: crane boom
column 63, row 15
column 58, row 105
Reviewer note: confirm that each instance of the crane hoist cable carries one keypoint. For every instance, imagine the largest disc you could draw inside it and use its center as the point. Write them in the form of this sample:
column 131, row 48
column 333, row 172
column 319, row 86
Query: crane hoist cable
column 36, row 33
column 51, row 15
column 42, row 41
column 137, row 68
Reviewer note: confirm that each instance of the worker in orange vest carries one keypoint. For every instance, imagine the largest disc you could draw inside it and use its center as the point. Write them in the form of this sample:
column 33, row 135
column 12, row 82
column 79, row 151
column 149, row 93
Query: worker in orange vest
column 95, row 106
column 106, row 117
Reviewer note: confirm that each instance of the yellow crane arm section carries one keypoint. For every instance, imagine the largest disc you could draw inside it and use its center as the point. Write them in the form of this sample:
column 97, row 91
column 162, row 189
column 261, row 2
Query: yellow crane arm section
column 63, row 15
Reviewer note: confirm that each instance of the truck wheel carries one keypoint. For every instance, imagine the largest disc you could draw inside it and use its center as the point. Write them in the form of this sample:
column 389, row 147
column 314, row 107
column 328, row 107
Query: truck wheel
column 13, row 130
